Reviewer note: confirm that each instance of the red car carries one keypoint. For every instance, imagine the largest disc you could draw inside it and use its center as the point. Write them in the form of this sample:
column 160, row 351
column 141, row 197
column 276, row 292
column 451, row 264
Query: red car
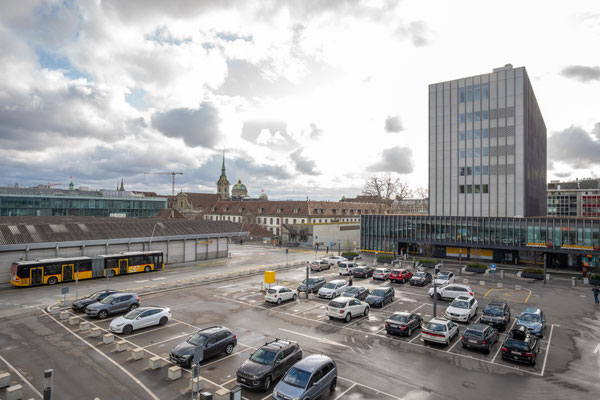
column 400, row 275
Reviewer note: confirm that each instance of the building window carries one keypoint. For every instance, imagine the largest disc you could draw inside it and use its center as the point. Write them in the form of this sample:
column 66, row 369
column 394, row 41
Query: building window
column 271, row 221
column 461, row 117
column 286, row 221
column 461, row 153
column 484, row 189
column 485, row 170
column 477, row 115
column 477, row 170
column 469, row 188
column 303, row 220
column 485, row 133
column 469, row 171
column 461, row 135
column 461, row 171
column 476, row 188
column 477, row 134
column 485, row 91
column 485, row 115
column 469, row 93
column 469, row 117
column 485, row 151
column 469, row 135
column 258, row 220
column 476, row 152
column 461, row 189
column 470, row 153
column 477, row 92
column 461, row 95
column 294, row 221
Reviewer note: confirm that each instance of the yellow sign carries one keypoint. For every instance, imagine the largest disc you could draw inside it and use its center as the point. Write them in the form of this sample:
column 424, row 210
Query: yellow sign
column 537, row 244
column 269, row 276
column 577, row 247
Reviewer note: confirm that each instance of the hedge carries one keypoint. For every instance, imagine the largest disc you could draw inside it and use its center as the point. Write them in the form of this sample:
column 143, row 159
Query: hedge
column 349, row 255
column 427, row 261
column 385, row 257
column 595, row 277
column 533, row 271
column 475, row 265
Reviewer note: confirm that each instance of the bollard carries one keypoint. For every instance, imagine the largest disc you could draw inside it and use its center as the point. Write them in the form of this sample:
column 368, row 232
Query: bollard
column 573, row 282
column 174, row 373
column 481, row 283
column 465, row 281
column 501, row 274
column 108, row 338
column 4, row 380
column 64, row 315
column 137, row 353
column 95, row 332
column 54, row 311
column 196, row 384
column 14, row 392
column 222, row 394
column 154, row 362
column 517, row 287
column 121, row 345
column 499, row 285
column 73, row 320
column 84, row 326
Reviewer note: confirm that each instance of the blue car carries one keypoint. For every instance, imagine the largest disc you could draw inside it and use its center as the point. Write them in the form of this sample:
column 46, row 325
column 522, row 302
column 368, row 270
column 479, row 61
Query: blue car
column 534, row 320
column 309, row 378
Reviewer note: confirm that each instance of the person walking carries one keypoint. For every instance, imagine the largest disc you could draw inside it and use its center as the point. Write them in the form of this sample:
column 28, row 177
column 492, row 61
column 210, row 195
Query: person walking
column 350, row 284
column 596, row 291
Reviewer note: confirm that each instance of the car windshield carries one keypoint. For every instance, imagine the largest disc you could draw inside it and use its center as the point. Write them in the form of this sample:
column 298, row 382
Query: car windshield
column 396, row 271
column 337, row 304
column 517, row 344
column 107, row 300
column 297, row 377
column 472, row 332
column 359, row 269
column 434, row 326
column 353, row 289
column 495, row 311
column 95, row 296
column 379, row 271
column 420, row 274
column 133, row 314
column 310, row 281
column 399, row 318
column 459, row 304
column 530, row 318
column 197, row 339
column 263, row 357
column 330, row 285
column 443, row 275
column 378, row 292
column 271, row 291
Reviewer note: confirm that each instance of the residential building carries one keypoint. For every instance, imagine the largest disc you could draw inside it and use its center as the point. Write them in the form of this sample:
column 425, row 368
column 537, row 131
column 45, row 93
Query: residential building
column 579, row 198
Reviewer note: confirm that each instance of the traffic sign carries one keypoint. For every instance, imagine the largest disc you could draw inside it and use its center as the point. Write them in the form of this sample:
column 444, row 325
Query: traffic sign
column 492, row 268
column 287, row 251
column 64, row 290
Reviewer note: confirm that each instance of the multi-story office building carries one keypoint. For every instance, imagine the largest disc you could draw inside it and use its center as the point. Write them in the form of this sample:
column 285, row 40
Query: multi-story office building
column 579, row 198
column 487, row 147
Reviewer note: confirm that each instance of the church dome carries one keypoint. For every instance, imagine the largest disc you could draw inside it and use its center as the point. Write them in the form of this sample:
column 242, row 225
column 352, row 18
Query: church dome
column 239, row 186
column 263, row 196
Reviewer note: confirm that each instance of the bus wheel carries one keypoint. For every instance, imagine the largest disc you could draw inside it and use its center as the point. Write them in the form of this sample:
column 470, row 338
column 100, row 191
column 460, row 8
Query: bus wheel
column 111, row 273
column 52, row 280
column 147, row 269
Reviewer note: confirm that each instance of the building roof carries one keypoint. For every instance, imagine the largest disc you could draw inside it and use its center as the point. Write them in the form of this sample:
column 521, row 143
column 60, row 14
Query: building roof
column 169, row 213
column 61, row 193
column 23, row 230
column 293, row 207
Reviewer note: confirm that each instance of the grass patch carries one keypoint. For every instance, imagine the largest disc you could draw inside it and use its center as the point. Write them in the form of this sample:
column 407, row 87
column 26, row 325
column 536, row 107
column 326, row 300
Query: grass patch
column 478, row 266
column 533, row 271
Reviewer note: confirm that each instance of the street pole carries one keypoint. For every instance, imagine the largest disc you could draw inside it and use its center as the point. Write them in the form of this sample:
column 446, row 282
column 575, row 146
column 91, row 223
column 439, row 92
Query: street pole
column 76, row 283
column 434, row 299
column 545, row 260
column 48, row 384
column 460, row 261
column 339, row 248
column 307, row 272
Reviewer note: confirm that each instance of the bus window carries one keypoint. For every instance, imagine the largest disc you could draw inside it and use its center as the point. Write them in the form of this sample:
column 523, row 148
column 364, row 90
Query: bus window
column 52, row 269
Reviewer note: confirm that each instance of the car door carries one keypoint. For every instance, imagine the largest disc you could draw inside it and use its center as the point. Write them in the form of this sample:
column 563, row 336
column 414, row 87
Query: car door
column 210, row 348
column 288, row 293
column 447, row 292
column 358, row 308
column 451, row 277
column 120, row 304
column 143, row 320
column 472, row 310
column 314, row 385
column 278, row 365
column 339, row 288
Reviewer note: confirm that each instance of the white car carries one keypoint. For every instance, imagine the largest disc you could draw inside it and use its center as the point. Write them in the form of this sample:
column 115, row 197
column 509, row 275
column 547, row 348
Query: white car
column 444, row 278
column 346, row 308
column 382, row 273
column 319, row 265
column 347, row 267
column 333, row 289
column 462, row 309
column 141, row 317
column 452, row 291
column 439, row 330
column 277, row 294
column 335, row 260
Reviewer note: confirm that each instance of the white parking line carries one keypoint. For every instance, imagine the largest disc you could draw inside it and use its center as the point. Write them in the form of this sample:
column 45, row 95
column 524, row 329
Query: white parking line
column 455, row 343
column 547, row 350
column 500, row 347
column 16, row 371
column 345, row 391
column 226, row 357
column 167, row 340
column 415, row 338
column 322, row 340
column 370, row 388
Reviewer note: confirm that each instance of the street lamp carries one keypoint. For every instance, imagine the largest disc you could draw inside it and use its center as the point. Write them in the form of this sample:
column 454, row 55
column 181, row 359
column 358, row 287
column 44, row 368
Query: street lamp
column 150, row 243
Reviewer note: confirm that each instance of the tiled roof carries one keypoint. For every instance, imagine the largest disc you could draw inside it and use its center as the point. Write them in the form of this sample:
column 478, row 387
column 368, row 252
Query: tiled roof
column 312, row 208
column 169, row 213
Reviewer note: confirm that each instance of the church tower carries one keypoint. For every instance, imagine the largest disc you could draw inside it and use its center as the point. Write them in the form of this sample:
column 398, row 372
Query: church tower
column 223, row 183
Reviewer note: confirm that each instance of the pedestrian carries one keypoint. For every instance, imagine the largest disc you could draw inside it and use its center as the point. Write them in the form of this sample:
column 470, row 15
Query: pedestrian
column 596, row 291
column 350, row 284
column 327, row 251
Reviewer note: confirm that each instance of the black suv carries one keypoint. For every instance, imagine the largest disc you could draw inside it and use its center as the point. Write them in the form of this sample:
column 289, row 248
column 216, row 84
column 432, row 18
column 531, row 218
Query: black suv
column 81, row 304
column 268, row 363
column 521, row 346
column 496, row 314
column 363, row 271
column 214, row 340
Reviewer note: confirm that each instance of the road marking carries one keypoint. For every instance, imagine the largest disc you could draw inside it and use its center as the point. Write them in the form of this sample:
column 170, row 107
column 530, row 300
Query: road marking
column 528, row 296
column 488, row 292
column 500, row 347
column 158, row 279
column 142, row 281
column 151, row 330
column 345, row 391
column 370, row 388
column 597, row 349
column 226, row 357
column 227, row 286
column 322, row 340
column 16, row 371
column 167, row 340
column 548, row 350
column 415, row 338
column 455, row 343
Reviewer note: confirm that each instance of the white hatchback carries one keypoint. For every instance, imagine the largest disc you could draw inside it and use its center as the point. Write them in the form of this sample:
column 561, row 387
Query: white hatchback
column 452, row 291
column 335, row 260
column 462, row 309
column 439, row 330
column 444, row 278
column 333, row 289
column 346, row 267
column 346, row 308
column 278, row 294
column 382, row 273
column 141, row 317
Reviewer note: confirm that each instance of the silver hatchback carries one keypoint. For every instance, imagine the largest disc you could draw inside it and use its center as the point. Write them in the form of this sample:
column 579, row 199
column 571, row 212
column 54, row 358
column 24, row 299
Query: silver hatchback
column 307, row 379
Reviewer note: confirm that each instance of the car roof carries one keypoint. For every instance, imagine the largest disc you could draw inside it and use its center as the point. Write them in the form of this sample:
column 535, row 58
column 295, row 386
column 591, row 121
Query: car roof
column 439, row 320
column 122, row 294
column 277, row 287
column 212, row 329
column 278, row 344
column 342, row 299
column 532, row 310
column 496, row 303
column 459, row 285
column 144, row 308
column 464, row 297
column 312, row 362
column 337, row 281
column 477, row 327
column 404, row 313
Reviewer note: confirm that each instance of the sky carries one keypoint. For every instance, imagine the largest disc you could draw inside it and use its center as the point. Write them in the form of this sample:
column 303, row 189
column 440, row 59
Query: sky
column 305, row 98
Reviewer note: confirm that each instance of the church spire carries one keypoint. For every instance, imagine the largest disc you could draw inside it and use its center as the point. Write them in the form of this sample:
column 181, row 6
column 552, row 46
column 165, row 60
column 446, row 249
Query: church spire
column 223, row 167
column 223, row 183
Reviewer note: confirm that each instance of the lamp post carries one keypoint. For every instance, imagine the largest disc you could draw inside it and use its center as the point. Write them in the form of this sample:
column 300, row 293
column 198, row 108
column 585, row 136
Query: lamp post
column 152, row 236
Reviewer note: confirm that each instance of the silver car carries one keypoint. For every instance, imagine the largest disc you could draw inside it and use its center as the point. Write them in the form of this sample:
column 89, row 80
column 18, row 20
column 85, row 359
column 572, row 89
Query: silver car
column 307, row 379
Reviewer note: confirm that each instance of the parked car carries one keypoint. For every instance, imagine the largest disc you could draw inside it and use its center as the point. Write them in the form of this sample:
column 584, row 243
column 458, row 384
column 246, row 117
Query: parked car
column 81, row 304
column 113, row 304
column 380, row 296
column 268, row 363
column 462, row 309
column 333, row 289
column 319, row 265
column 496, row 314
column 278, row 294
column 400, row 275
column 382, row 273
column 479, row 336
column 403, row 323
column 314, row 284
column 439, row 330
column 363, row 271
column 346, row 308
column 309, row 378
column 452, row 291
column 335, row 260
column 444, row 278
column 521, row 346
column 534, row 320
column 141, row 317
column 215, row 340
column 357, row 292
column 346, row 267
column 420, row 278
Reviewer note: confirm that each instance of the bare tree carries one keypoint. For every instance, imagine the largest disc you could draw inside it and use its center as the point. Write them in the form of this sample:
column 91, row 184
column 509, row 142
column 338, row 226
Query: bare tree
column 421, row 193
column 385, row 189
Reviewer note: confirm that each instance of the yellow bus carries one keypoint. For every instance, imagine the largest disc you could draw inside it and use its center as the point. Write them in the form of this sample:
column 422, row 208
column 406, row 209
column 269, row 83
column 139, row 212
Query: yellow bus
column 56, row 270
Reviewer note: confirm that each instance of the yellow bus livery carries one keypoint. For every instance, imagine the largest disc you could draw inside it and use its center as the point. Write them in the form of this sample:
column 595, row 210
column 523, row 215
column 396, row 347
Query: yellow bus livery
column 56, row 270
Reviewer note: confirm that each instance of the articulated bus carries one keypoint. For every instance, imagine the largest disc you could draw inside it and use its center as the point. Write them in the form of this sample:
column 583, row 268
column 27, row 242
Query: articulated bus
column 56, row 270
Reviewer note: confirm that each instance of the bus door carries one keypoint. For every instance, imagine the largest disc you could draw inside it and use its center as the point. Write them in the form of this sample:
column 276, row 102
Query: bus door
column 156, row 262
column 36, row 275
column 123, row 266
column 67, row 272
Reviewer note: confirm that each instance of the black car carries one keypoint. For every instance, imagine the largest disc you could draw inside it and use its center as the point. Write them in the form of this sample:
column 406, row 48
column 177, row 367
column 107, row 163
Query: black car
column 81, row 304
column 357, row 292
column 403, row 323
column 521, row 346
column 214, row 340
column 496, row 314
column 420, row 279
column 479, row 336
column 314, row 284
column 363, row 272
column 380, row 296
column 268, row 363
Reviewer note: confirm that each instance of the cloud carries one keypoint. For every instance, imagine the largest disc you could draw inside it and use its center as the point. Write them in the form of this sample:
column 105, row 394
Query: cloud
column 199, row 127
column 393, row 124
column 397, row 159
column 417, row 32
column 575, row 146
column 582, row 73
column 562, row 174
column 302, row 164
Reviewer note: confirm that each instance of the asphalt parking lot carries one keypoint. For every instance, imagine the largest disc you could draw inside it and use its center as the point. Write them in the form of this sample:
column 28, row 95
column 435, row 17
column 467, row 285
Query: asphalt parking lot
column 372, row 364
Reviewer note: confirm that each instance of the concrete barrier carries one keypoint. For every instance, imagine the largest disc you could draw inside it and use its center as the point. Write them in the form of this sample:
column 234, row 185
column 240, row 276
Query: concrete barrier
column 73, row 320
column 481, row 283
column 222, row 394
column 4, row 380
column 137, row 353
column 108, row 338
column 95, row 332
column 499, row 285
column 174, row 373
column 14, row 392
column 196, row 384
column 154, row 362
column 517, row 287
column 465, row 281
column 121, row 345
column 54, row 311
column 84, row 326
column 573, row 282
column 501, row 274
column 64, row 315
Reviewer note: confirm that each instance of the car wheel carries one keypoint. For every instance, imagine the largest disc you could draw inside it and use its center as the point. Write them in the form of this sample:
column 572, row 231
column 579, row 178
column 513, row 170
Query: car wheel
column 348, row 317
column 266, row 383
column 294, row 297
column 409, row 331
column 229, row 349
column 366, row 311
column 52, row 280
column 279, row 301
column 163, row 321
column 439, row 296
column 532, row 363
column 133, row 306
column 147, row 269
column 486, row 350
column 127, row 329
column 102, row 314
column 333, row 384
column 330, row 317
